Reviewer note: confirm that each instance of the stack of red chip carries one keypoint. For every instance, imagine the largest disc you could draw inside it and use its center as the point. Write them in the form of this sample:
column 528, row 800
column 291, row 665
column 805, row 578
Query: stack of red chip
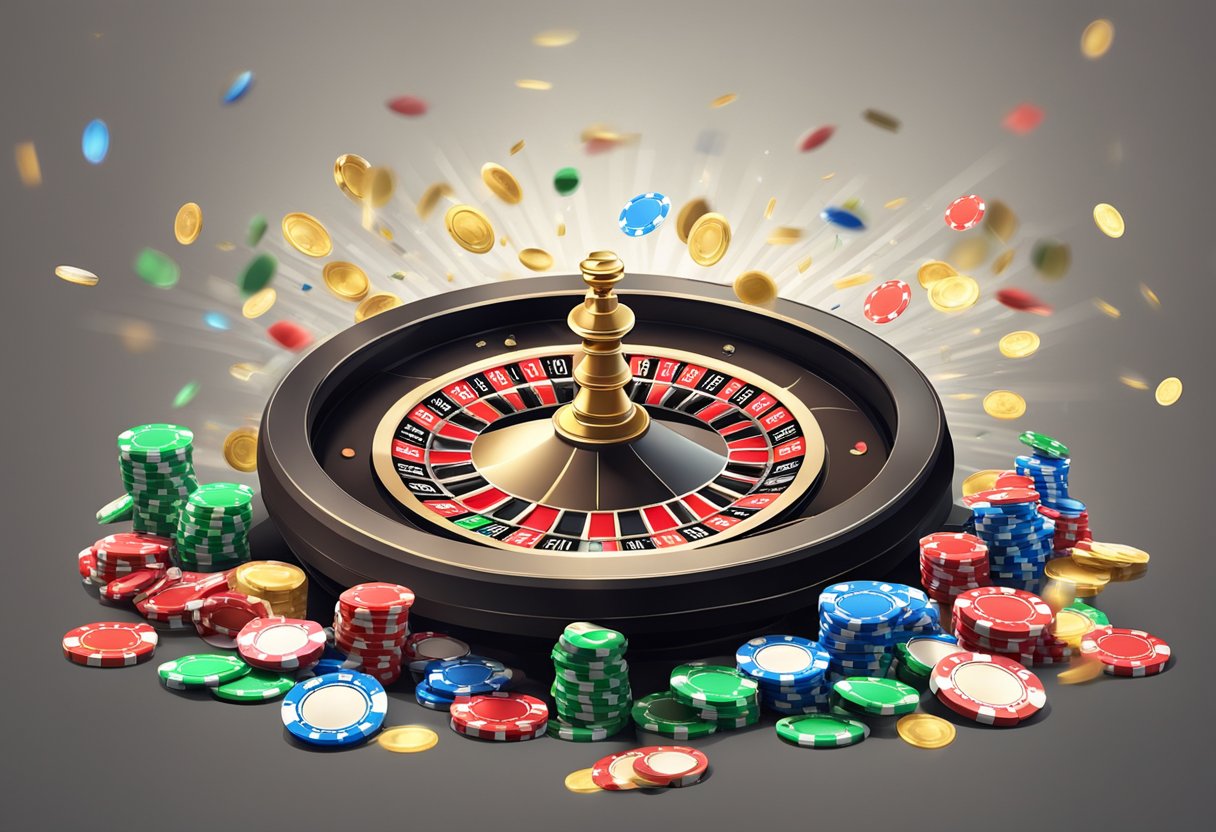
column 500, row 716
column 219, row 618
column 118, row 555
column 1070, row 531
column 173, row 602
column 281, row 644
column 371, row 623
column 1126, row 652
column 952, row 563
column 1007, row 622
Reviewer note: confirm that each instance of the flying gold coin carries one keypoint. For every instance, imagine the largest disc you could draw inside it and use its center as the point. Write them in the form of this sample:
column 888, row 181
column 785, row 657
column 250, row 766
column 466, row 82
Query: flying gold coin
column 768, row 209
column 756, row 288
column 1083, row 575
column 536, row 259
column 81, row 277
column 723, row 100
column 188, row 223
column 1058, row 595
column 1086, row 670
column 690, row 212
column 969, row 253
column 244, row 370
column 349, row 169
column 925, row 731
column 518, row 146
column 27, row 165
column 241, row 450
column 500, row 180
column 1150, row 296
column 1097, row 39
column 259, row 303
column 1109, row 220
column 1070, row 626
column 555, row 37
column 1118, row 554
column 1133, row 382
column 431, row 197
column 1000, row 219
column 709, row 239
column 1169, row 391
column 408, row 739
column 1107, row 309
column 804, row 264
column 561, row 229
column 784, row 236
column 981, row 481
column 1002, row 261
column 533, row 84
column 379, row 183
column 1004, row 404
column 1019, row 344
column 346, row 280
column 859, row 279
column 306, row 235
column 469, row 228
column 954, row 293
column 932, row 271
column 376, row 303
column 580, row 782
column 895, row 204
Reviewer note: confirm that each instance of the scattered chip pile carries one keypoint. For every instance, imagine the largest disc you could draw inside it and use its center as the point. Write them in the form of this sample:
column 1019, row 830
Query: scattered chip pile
column 447, row 680
column 718, row 694
column 650, row 767
column 116, row 557
column 499, row 716
column 1019, row 539
column 860, row 622
column 915, row 658
column 591, row 690
column 219, row 618
column 171, row 601
column 281, row 644
column 157, row 467
column 371, row 624
column 1008, row 622
column 952, row 563
column 213, row 527
column 283, row 586
column 790, row 671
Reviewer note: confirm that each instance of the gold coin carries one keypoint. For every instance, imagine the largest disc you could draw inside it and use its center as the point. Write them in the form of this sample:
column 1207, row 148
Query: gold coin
column 243, row 370
column 1002, row 261
column 1059, row 594
column 431, row 197
column 925, row 731
column 500, row 180
column 241, row 449
column 27, row 164
column 1150, row 296
column 859, row 279
column 536, row 259
column 768, row 209
column 1097, row 38
column 533, row 84
column 690, row 212
column 379, row 183
column 555, row 37
column 1019, row 344
column 306, row 235
column 981, row 481
column 1070, row 626
column 561, row 229
column 1000, row 220
column 784, row 236
column 1085, row 670
column 259, row 303
column 580, row 782
column 271, row 576
column 346, row 280
column 518, row 146
column 349, row 169
column 1109, row 220
column 376, row 303
column 1127, row 573
column 407, row 739
column 756, row 288
column 1107, row 309
column 969, row 253
column 954, row 293
column 1169, row 391
column 709, row 239
column 81, row 277
column 188, row 223
column 804, row 264
column 893, row 204
column 469, row 228
column 1133, row 382
column 723, row 100
column 1004, row 404
column 1117, row 554
column 1071, row 570
column 933, row 271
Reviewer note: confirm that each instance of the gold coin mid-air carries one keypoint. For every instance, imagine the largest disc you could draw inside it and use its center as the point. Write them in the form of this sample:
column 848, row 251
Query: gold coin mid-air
column 1117, row 554
column 536, row 259
column 708, row 239
column 981, row 481
column 349, row 169
column 1000, row 219
column 784, row 236
column 1082, row 575
column 1071, row 626
column 81, row 277
column 1086, row 670
column 241, row 450
column 561, row 229
column 723, row 100
column 970, row 252
column 859, row 279
column 1002, row 261
column 933, row 271
column 580, row 782
column 555, row 37
column 925, row 731
column 1004, row 404
column 1109, row 220
column 518, row 146
column 1019, row 344
column 1169, row 391
column 954, row 293
column 502, row 182
column 259, row 303
column 689, row 213
column 306, row 235
column 407, row 739
column 469, row 228
column 376, row 303
column 804, row 264
column 756, row 288
column 188, row 223
column 379, row 183
column 768, row 209
column 1097, row 39
column 243, row 370
column 346, row 280
column 431, row 197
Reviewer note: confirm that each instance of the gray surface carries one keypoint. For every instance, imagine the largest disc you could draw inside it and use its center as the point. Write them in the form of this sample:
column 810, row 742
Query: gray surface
column 109, row 749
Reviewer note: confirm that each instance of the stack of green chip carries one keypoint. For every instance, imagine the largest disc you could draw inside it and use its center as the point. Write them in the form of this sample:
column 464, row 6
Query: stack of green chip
column 591, row 685
column 212, row 532
column 717, row 693
column 915, row 658
column 661, row 713
column 158, row 473
column 870, row 697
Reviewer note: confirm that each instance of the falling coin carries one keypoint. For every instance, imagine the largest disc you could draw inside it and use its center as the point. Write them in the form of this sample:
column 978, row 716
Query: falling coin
column 580, row 782
column 1086, row 670
column 784, row 236
column 804, row 264
column 1133, row 382
column 561, row 229
column 408, row 739
column 81, row 277
column 1097, row 39
column 241, row 450
column 1150, row 296
column 1004, row 404
column 723, row 100
column 1019, row 344
column 1000, row 220
column 691, row 211
column 1109, row 220
column 1107, row 309
column 379, row 183
column 500, row 180
column 349, row 170
column 954, row 293
column 431, row 198
column 932, row 271
column 1169, row 391
column 188, row 223
column 28, row 168
column 306, row 235
column 768, row 209
column 859, row 279
column 469, row 228
column 925, row 731
column 376, row 303
column 555, row 37
column 536, row 259
column 1002, row 261
column 893, row 204
column 259, row 303
column 346, row 280
column 709, row 239
column 981, row 481
column 755, row 288
column 533, row 84
column 518, row 146
column 243, row 370
column 969, row 253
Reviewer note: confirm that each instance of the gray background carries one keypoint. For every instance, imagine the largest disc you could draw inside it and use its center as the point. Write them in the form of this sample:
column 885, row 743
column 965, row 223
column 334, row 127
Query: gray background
column 95, row 749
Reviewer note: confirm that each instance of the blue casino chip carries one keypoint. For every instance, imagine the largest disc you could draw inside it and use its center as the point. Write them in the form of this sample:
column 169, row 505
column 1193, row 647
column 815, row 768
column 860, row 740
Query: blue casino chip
column 643, row 214
column 433, row 699
column 861, row 605
column 336, row 709
column 467, row 676
column 842, row 218
column 237, row 89
column 785, row 660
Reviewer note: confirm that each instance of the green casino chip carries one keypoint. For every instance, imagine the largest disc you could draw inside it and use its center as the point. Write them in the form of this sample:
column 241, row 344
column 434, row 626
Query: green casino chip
column 877, row 697
column 821, row 730
column 1092, row 613
column 255, row 686
column 202, row 670
column 661, row 713
column 713, row 684
column 585, row 638
column 1044, row 444
column 562, row 730
column 116, row 511
column 222, row 498
column 155, row 442
column 565, row 660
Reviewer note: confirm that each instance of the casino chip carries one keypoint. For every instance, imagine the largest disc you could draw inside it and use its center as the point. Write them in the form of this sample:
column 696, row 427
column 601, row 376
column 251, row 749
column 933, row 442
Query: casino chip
column 110, row 644
column 254, row 686
column 420, row 649
column 279, row 643
column 842, row 218
column 988, row 689
column 965, row 212
column 782, row 660
column 1044, row 444
column 615, row 772
column 712, row 685
column 877, row 697
column 822, row 730
column 201, row 670
column 337, row 709
column 661, row 713
column 670, row 765
column 643, row 214
column 887, row 302
column 467, row 676
column 1002, row 612
column 1125, row 652
column 499, row 716
column 116, row 511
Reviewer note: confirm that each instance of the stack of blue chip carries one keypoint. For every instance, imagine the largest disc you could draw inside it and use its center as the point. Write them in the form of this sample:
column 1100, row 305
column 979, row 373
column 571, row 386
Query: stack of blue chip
column 446, row 679
column 860, row 622
column 791, row 672
column 1019, row 541
column 1050, row 476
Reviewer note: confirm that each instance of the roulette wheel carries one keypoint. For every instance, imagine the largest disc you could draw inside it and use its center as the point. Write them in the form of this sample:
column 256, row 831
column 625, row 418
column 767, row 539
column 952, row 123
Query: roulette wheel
column 642, row 451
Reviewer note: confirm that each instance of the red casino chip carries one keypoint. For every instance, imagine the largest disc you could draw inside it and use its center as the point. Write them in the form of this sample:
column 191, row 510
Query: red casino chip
column 1022, row 301
column 289, row 335
column 183, row 596
column 1001, row 497
column 1125, row 652
column 520, row 737
column 965, row 212
column 110, row 643
column 279, row 643
column 167, row 578
column 407, row 105
column 671, row 765
column 227, row 613
column 991, row 690
column 375, row 600
column 1023, row 119
column 887, row 302
column 615, row 772
column 815, row 138
column 1003, row 612
column 1009, row 480
column 500, row 713
column 953, row 548
column 86, row 562
column 128, row 586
